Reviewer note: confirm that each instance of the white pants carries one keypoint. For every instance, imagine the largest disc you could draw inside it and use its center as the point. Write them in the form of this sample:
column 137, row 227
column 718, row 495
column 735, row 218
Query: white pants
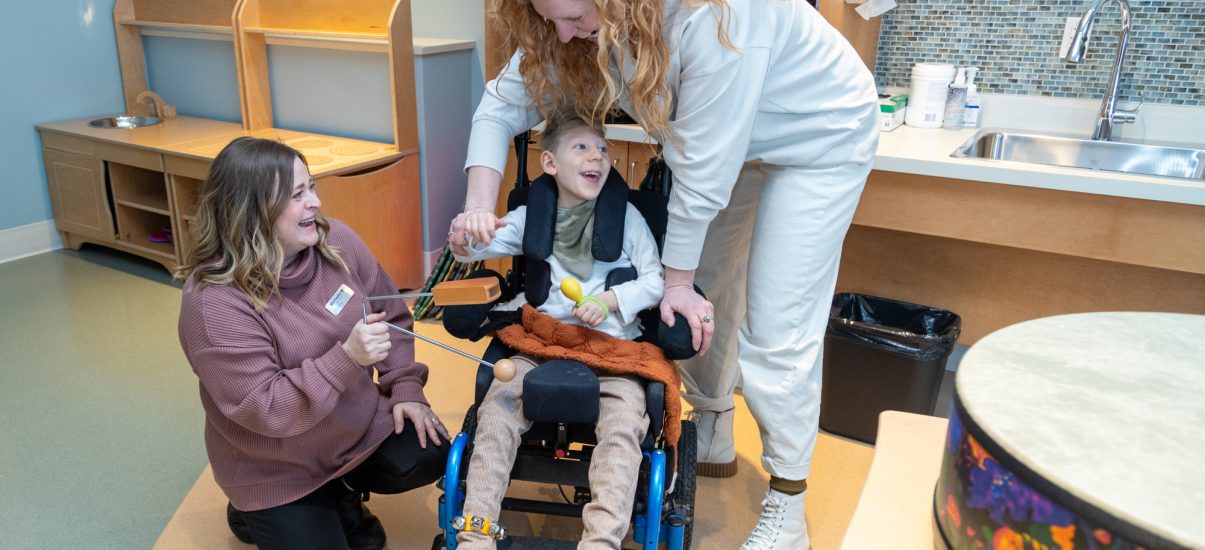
column 769, row 265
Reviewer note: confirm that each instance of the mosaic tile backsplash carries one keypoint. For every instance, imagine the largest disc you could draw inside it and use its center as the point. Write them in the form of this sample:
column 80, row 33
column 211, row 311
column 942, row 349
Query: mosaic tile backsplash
column 1016, row 46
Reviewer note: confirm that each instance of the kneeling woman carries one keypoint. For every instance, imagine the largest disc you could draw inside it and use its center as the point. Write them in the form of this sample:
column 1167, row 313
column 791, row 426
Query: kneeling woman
column 296, row 429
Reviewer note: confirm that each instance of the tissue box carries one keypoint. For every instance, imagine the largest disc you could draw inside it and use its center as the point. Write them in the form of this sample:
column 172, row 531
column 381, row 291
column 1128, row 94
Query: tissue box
column 891, row 112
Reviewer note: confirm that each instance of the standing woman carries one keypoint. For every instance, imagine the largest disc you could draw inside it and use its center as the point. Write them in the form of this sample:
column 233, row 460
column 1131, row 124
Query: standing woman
column 769, row 122
column 296, row 429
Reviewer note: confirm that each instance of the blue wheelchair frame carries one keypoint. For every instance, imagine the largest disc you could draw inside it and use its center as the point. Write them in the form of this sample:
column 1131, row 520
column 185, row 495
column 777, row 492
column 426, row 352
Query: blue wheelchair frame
column 657, row 524
column 650, row 531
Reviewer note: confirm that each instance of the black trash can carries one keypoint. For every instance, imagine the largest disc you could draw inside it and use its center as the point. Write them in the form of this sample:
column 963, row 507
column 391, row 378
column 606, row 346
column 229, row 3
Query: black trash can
column 882, row 354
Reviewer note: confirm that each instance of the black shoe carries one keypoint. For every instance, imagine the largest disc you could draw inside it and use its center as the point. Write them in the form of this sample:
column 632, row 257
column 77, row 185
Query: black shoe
column 362, row 529
column 234, row 519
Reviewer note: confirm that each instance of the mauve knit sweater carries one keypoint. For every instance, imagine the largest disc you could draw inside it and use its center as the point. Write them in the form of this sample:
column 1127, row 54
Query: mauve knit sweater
column 286, row 410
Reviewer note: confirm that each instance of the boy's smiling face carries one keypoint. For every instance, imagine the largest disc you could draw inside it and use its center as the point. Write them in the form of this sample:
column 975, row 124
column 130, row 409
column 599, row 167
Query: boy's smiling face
column 580, row 165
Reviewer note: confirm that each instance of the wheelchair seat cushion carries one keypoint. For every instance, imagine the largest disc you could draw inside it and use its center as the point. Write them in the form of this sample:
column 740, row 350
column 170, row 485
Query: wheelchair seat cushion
column 544, row 337
column 561, row 390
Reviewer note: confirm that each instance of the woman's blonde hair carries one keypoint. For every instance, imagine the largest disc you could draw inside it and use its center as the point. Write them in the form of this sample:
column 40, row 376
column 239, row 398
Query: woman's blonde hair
column 248, row 187
column 583, row 70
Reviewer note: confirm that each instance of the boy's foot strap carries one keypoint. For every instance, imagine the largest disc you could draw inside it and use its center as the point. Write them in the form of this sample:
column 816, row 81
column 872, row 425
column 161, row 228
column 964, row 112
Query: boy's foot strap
column 478, row 524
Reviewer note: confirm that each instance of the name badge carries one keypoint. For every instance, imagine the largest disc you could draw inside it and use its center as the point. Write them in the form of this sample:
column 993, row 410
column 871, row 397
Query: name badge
column 339, row 299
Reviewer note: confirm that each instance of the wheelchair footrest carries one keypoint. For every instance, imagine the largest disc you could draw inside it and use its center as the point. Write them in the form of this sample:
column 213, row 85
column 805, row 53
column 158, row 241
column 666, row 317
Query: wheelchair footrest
column 545, row 507
column 536, row 543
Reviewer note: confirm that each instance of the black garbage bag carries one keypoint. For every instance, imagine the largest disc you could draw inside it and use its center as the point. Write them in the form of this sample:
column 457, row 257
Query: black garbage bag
column 914, row 330
column 879, row 355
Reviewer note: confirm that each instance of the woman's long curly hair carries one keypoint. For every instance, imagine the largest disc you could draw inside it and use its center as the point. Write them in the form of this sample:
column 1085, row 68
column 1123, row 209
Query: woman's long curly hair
column 249, row 186
column 582, row 69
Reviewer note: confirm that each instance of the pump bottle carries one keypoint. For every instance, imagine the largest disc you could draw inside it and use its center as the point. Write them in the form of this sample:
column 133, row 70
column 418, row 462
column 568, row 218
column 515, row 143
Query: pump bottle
column 970, row 117
column 956, row 102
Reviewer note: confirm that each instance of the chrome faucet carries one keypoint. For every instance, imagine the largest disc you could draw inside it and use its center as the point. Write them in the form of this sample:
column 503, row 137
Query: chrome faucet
column 1110, row 114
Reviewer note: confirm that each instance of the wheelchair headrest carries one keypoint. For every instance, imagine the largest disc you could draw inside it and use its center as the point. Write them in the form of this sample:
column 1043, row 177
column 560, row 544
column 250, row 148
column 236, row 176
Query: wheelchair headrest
column 609, row 213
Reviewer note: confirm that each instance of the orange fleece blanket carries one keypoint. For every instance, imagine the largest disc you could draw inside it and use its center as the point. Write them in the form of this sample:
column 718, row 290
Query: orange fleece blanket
column 542, row 336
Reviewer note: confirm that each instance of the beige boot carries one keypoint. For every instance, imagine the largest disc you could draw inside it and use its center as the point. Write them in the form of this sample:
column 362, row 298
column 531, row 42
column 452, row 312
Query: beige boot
column 716, row 451
column 781, row 525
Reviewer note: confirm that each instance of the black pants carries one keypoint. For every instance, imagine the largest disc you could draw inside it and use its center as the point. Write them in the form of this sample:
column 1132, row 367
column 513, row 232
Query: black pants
column 312, row 521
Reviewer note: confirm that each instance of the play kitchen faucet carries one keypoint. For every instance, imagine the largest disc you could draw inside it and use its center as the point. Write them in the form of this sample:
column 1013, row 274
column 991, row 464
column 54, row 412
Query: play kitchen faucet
column 1109, row 114
column 155, row 105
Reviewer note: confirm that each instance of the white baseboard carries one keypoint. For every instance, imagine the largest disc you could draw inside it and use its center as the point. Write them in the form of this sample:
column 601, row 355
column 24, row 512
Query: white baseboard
column 28, row 240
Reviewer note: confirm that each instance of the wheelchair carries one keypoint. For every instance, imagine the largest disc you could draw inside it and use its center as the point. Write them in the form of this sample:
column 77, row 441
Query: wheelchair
column 561, row 399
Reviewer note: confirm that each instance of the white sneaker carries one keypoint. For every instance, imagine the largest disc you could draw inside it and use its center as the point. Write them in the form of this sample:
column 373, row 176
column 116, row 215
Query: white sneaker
column 781, row 525
column 716, row 451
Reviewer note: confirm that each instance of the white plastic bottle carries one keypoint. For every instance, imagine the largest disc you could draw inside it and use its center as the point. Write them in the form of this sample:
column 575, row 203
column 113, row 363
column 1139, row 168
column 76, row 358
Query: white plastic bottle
column 927, row 97
column 956, row 102
column 971, row 118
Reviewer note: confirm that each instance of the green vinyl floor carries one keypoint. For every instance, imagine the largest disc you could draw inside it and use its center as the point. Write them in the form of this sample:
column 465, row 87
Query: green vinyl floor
column 99, row 418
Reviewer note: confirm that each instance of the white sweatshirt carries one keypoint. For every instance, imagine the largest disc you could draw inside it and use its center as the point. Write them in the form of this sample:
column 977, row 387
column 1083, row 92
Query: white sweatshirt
column 639, row 251
column 793, row 93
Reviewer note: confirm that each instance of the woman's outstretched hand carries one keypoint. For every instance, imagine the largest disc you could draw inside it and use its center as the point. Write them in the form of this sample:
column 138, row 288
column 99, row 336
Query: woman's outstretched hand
column 680, row 297
column 423, row 418
column 480, row 224
column 368, row 342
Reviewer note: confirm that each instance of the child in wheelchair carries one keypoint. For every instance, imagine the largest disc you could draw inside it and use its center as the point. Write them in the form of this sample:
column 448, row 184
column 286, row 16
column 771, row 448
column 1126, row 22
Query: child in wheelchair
column 575, row 155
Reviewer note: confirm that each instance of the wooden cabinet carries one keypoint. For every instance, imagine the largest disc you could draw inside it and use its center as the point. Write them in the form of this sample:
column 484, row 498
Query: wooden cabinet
column 111, row 195
column 143, row 200
column 78, row 196
column 1001, row 254
column 370, row 201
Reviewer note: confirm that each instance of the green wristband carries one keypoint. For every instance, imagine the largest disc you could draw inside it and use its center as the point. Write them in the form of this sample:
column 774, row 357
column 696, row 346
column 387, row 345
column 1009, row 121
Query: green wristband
column 597, row 300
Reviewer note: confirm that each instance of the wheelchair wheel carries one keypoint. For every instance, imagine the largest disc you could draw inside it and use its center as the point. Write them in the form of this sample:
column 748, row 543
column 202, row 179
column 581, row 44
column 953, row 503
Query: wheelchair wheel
column 470, row 421
column 684, row 489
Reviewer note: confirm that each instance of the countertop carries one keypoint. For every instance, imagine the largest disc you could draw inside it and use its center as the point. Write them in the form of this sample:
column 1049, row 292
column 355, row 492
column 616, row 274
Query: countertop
column 1106, row 406
column 927, row 152
column 203, row 139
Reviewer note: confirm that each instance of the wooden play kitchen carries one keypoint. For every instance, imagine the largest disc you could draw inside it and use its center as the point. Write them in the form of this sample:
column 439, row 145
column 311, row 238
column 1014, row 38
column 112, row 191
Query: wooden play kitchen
column 135, row 189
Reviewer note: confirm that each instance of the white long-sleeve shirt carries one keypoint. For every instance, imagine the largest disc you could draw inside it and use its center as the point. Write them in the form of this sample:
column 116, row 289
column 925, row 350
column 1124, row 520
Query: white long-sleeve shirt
column 639, row 251
column 793, row 92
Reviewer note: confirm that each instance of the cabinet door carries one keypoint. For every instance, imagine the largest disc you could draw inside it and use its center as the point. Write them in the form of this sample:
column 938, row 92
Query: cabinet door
column 77, row 194
column 638, row 163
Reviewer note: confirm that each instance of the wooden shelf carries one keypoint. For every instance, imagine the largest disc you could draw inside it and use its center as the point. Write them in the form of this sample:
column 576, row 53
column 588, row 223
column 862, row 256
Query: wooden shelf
column 134, row 228
column 182, row 30
column 148, row 208
column 138, row 187
column 288, row 36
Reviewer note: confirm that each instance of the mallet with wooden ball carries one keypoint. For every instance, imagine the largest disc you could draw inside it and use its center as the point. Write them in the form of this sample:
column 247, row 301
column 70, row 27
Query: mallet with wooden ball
column 456, row 293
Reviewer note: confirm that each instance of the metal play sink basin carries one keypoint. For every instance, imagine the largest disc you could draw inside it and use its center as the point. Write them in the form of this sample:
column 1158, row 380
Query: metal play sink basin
column 122, row 121
column 1132, row 158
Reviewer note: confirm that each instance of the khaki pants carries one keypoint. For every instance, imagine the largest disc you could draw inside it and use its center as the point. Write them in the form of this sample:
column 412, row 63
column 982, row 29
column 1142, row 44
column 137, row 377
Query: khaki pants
column 614, row 466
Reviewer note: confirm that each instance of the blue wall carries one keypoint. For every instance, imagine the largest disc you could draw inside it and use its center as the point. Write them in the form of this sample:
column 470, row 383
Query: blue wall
column 198, row 77
column 351, row 88
column 59, row 62
column 71, row 71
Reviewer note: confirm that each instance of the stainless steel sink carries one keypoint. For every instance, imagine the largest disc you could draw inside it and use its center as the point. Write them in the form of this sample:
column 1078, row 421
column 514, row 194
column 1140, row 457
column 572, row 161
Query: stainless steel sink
column 1132, row 158
column 123, row 121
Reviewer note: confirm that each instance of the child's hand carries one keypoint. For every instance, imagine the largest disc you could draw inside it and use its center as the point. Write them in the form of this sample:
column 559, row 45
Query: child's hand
column 591, row 312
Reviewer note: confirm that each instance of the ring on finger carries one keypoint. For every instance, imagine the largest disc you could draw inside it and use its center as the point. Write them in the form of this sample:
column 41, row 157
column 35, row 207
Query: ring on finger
column 707, row 319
